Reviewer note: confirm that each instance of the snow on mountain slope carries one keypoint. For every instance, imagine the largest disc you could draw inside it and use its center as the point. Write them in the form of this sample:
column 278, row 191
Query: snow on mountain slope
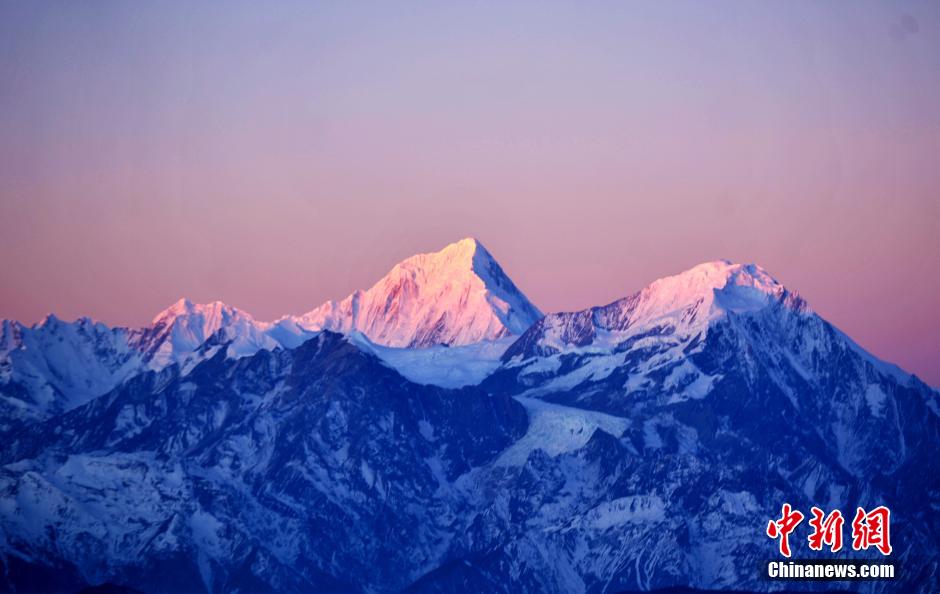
column 456, row 296
column 655, row 331
column 180, row 329
column 685, row 304
column 655, row 437
column 53, row 366
column 557, row 429
column 320, row 469
column 315, row 469
column 447, row 367
column 645, row 340
column 718, row 331
column 733, row 396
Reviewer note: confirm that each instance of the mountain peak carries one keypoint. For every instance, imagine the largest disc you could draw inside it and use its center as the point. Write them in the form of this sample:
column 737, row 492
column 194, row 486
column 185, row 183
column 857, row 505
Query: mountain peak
column 467, row 245
column 214, row 312
column 719, row 285
column 685, row 304
column 456, row 296
column 181, row 328
column 51, row 320
column 456, row 258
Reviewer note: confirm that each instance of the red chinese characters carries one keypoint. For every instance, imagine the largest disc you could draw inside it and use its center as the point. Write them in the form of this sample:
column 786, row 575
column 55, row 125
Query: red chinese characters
column 872, row 529
column 789, row 520
column 869, row 529
column 826, row 531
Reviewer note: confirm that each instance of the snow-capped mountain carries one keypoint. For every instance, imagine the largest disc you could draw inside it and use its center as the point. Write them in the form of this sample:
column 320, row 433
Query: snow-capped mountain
column 457, row 296
column 634, row 446
column 683, row 305
column 651, row 339
column 315, row 469
column 181, row 329
column 726, row 395
column 54, row 365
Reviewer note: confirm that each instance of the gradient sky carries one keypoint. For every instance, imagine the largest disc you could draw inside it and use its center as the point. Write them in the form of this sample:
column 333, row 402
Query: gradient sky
column 277, row 155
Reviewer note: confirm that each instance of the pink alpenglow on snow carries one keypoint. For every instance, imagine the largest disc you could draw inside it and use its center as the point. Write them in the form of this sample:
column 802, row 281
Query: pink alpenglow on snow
column 713, row 289
column 185, row 326
column 457, row 296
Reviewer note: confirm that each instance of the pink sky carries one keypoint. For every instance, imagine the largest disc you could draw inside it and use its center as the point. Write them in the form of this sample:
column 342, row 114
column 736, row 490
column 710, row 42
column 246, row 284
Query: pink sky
column 276, row 157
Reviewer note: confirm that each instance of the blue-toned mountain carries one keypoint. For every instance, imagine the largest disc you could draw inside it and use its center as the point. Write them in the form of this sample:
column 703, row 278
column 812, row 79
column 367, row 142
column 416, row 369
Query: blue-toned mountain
column 635, row 446
column 311, row 469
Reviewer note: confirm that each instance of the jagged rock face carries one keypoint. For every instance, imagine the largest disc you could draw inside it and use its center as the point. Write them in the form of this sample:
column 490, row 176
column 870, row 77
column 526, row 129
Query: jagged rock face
column 681, row 489
column 54, row 366
column 311, row 469
column 729, row 411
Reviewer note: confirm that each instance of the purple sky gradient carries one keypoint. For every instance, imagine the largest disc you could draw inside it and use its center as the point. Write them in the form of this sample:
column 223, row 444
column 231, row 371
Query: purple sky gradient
column 277, row 156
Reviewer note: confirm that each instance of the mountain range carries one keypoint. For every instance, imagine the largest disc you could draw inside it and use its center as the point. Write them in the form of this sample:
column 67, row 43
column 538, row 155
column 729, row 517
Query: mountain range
column 437, row 433
column 458, row 296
